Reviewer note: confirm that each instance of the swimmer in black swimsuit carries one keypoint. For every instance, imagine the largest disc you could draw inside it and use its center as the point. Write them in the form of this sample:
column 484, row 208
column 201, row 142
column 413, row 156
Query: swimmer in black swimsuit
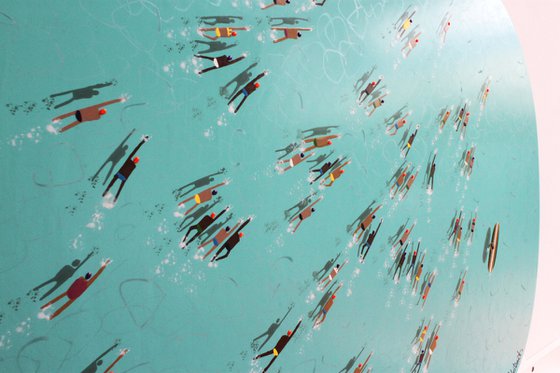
column 219, row 62
column 126, row 170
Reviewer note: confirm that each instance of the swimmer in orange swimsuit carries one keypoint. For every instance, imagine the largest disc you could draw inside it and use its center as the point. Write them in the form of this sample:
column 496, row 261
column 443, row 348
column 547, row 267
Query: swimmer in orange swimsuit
column 75, row 290
column 202, row 197
column 221, row 32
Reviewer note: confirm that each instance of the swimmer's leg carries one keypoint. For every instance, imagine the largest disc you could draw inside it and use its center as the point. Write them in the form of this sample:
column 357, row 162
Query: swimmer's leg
column 240, row 104
column 118, row 192
column 206, row 70
column 269, row 364
column 297, row 226
column 234, row 97
column 61, row 309
column 205, row 57
column 54, row 301
column 188, row 232
column 264, row 354
column 267, row 6
column 279, row 40
column 210, row 37
column 71, row 125
column 109, row 186
column 209, row 252
column 218, row 253
column 189, row 210
column 194, row 237
column 60, row 117
column 223, row 256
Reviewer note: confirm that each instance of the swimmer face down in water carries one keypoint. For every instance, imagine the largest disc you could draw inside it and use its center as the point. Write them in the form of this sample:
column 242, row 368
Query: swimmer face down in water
column 326, row 308
column 377, row 103
column 289, row 33
column 295, row 160
column 219, row 62
column 364, row 224
column 369, row 90
column 304, row 214
column 218, row 238
column 202, row 197
column 88, row 114
column 393, row 128
column 328, row 279
column 247, row 91
column 412, row 43
column 280, row 345
column 398, row 182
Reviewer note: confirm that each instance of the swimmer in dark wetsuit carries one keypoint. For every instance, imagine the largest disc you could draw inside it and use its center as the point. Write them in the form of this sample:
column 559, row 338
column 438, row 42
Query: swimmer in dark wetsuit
column 408, row 145
column 368, row 90
column 431, row 173
column 280, row 345
column 75, row 290
column 334, row 175
column 219, row 62
column 247, row 90
column 276, row 2
column 323, row 314
column 404, row 236
column 400, row 265
column 231, row 242
column 218, row 239
column 369, row 241
column 324, row 168
column 87, row 114
column 201, row 226
column 413, row 262
column 126, row 170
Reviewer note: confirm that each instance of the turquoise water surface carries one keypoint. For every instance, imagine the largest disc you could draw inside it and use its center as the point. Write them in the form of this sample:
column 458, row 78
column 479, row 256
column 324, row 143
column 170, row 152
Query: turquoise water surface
column 175, row 312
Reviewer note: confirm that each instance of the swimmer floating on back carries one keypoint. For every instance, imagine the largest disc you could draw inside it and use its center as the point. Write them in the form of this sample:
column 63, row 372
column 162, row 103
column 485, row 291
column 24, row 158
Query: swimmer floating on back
column 219, row 62
column 87, row 114
column 221, row 32
column 75, row 290
column 202, row 197
column 275, row 2
column 289, row 33
column 247, row 90
column 280, row 345
column 126, row 170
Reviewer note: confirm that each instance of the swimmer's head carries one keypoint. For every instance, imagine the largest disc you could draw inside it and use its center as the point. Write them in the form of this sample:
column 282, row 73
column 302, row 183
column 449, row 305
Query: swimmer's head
column 329, row 142
column 289, row 333
column 136, row 160
column 360, row 365
column 313, row 209
column 228, row 228
column 257, row 85
column 341, row 171
column 333, row 296
column 241, row 234
column 214, row 192
column 102, row 111
column 487, row 90
column 404, row 121
column 87, row 276
column 229, row 58
column 212, row 215
column 99, row 362
column 302, row 155
column 287, row 1
column 468, row 113
column 382, row 101
column 299, row 34
column 76, row 262
column 421, row 265
column 417, row 41
column 406, row 231
column 234, row 33
column 338, row 266
column 437, row 337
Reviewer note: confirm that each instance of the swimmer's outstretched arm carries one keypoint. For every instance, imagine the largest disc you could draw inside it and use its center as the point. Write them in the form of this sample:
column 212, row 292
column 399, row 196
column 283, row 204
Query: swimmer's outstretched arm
column 54, row 300
column 107, row 103
column 99, row 271
column 267, row 6
column 71, row 125
column 121, row 355
column 144, row 140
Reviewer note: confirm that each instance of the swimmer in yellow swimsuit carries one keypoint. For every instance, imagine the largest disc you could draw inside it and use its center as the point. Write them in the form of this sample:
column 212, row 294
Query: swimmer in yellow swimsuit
column 280, row 345
column 337, row 172
column 202, row 197
column 410, row 141
column 221, row 32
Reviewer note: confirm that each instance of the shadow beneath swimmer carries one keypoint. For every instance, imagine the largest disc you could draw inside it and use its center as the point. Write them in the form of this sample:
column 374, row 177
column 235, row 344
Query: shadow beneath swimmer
column 486, row 245
column 324, row 299
column 368, row 211
column 352, row 361
column 317, row 131
column 203, row 181
column 271, row 330
column 92, row 368
column 189, row 219
column 240, row 81
column 116, row 156
column 211, row 46
column 317, row 275
column 78, row 94
column 280, row 21
column 298, row 206
column 214, row 20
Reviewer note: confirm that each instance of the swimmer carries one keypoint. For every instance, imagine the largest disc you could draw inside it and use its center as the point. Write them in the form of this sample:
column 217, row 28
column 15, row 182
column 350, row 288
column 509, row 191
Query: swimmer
column 472, row 226
column 294, row 161
column 218, row 239
column 465, row 124
column 405, row 26
column 121, row 355
column 460, row 116
column 219, row 62
column 418, row 363
column 416, row 279
column 369, row 241
column 331, row 275
column 78, row 287
column 458, row 240
column 397, row 125
column 276, row 2
column 404, row 236
column 431, row 350
column 377, row 103
column 468, row 161
column 459, row 292
column 280, row 345
column 304, row 214
column 418, row 342
column 445, row 30
column 398, row 182
column 221, row 32
column 368, row 90
column 400, row 264
column 201, row 226
column 485, row 91
column 458, row 222
column 444, row 119
column 87, row 114
column 431, row 173
column 247, row 90
column 231, row 242
column 289, row 33
column 324, row 168
column 431, row 279
column 406, row 187
column 408, row 145
column 412, row 43
column 471, row 165
column 202, row 197
column 335, row 174
column 126, row 170
column 364, row 224
column 319, row 142
column 413, row 261
column 363, row 365
column 326, row 308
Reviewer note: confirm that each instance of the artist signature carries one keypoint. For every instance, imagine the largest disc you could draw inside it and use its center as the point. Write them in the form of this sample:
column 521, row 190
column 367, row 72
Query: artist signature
column 515, row 364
